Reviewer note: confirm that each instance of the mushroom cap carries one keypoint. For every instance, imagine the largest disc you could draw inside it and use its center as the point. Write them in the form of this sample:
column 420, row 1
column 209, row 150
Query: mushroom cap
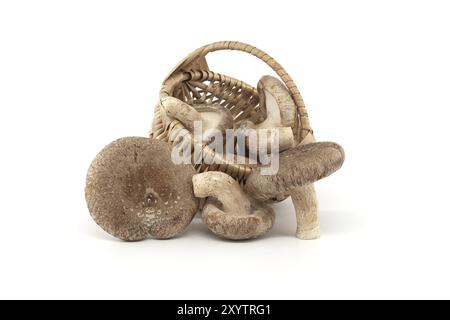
column 272, row 90
column 214, row 117
column 235, row 225
column 222, row 120
column 134, row 191
column 298, row 166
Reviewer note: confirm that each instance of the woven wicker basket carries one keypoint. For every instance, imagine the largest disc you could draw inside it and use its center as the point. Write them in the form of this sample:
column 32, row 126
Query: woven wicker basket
column 192, row 82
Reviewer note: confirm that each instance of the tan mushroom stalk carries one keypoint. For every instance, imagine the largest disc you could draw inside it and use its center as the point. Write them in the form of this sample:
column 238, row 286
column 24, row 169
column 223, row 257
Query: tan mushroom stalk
column 284, row 136
column 229, row 212
column 299, row 167
column 134, row 191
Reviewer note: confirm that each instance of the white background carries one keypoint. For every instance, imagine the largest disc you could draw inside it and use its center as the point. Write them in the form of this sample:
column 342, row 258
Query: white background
column 75, row 75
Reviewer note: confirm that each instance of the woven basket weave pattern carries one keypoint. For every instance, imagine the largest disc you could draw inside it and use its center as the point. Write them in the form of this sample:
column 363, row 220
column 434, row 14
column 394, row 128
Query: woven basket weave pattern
column 192, row 82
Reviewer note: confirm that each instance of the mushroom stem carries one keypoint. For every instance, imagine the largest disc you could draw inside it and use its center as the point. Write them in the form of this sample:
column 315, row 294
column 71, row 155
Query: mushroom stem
column 181, row 111
column 305, row 204
column 224, row 188
column 285, row 138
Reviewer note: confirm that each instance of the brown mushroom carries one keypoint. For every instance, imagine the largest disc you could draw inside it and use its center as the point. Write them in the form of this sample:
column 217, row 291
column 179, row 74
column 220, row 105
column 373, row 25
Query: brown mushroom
column 229, row 212
column 134, row 191
column 214, row 118
column 299, row 167
column 280, row 113
column 276, row 102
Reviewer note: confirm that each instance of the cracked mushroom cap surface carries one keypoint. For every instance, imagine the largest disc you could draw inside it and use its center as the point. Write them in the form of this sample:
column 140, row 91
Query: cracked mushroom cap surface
column 298, row 166
column 134, row 191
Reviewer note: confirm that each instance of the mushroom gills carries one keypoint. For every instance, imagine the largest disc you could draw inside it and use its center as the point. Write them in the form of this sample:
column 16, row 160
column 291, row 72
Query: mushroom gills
column 280, row 114
column 277, row 102
column 215, row 120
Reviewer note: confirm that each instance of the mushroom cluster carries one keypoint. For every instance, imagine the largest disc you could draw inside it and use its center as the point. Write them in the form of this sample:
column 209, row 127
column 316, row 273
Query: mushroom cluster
column 135, row 191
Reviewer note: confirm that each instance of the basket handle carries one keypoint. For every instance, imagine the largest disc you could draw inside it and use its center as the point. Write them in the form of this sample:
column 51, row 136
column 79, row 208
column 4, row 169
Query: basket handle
column 197, row 58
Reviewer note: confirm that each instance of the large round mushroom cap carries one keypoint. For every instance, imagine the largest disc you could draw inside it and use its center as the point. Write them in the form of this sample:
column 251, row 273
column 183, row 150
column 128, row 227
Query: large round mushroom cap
column 298, row 166
column 134, row 191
